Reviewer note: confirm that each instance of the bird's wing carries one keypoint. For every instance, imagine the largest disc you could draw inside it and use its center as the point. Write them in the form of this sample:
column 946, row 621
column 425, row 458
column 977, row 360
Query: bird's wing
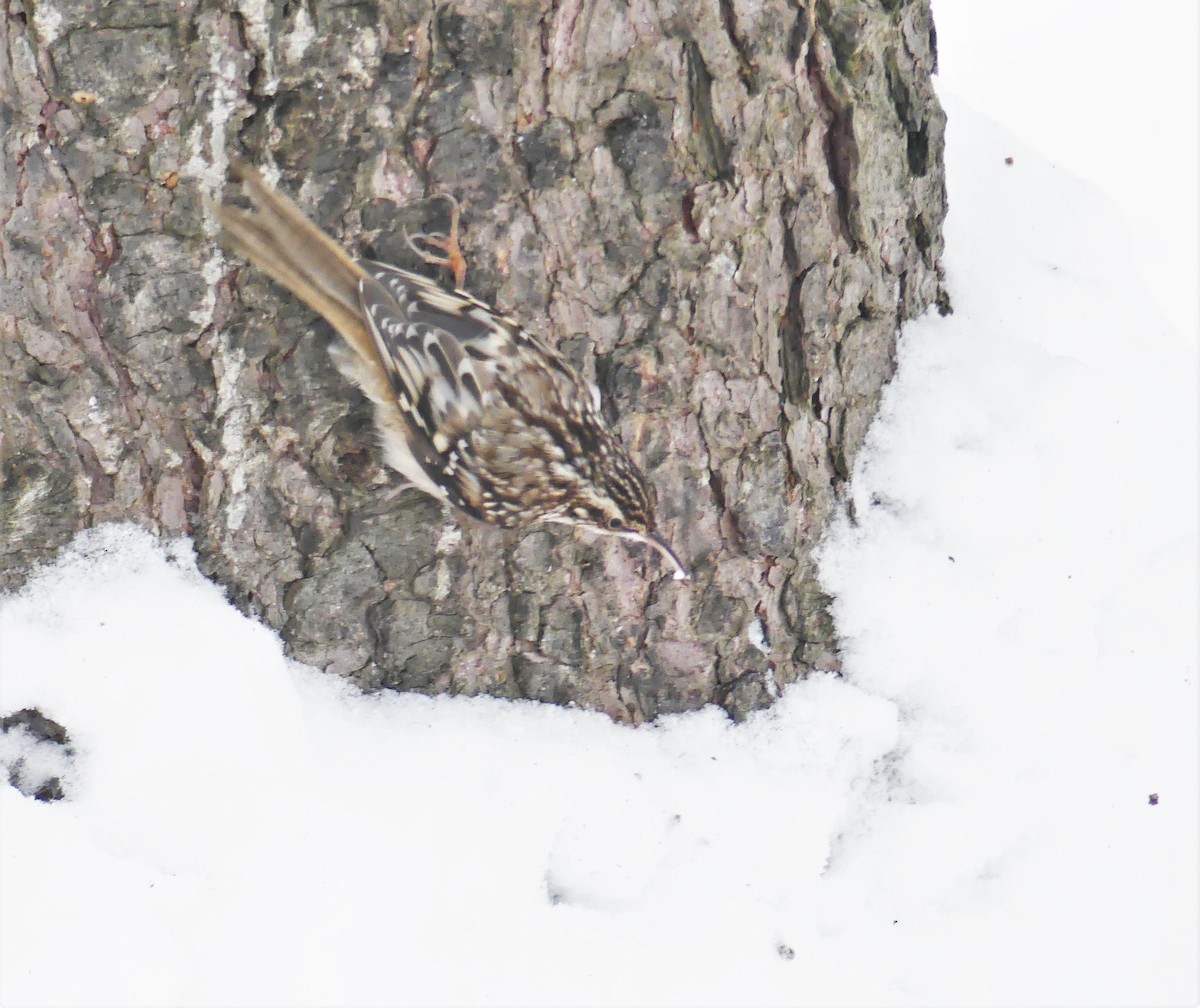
column 445, row 351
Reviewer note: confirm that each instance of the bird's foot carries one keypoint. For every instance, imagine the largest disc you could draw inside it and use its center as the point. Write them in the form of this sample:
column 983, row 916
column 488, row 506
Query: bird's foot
column 452, row 257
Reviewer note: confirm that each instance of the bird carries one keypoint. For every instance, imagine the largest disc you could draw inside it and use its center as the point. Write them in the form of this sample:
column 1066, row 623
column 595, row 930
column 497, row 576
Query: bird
column 470, row 407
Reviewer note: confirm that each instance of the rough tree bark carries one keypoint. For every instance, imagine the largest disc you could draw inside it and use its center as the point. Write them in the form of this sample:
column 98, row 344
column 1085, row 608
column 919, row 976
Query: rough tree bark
column 722, row 210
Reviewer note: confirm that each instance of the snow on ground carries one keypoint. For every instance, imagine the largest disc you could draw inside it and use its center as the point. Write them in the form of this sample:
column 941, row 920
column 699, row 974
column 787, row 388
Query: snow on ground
column 964, row 818
column 242, row 830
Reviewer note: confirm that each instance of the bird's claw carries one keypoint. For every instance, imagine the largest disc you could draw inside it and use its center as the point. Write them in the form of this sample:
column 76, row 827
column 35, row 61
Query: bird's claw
column 453, row 259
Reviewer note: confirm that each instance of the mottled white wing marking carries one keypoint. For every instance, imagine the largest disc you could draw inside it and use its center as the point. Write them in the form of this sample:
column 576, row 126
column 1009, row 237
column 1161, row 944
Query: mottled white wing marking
column 445, row 350
column 490, row 340
column 451, row 361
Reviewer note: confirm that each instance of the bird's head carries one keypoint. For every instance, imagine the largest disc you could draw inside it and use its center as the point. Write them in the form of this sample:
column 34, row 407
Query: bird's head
column 616, row 500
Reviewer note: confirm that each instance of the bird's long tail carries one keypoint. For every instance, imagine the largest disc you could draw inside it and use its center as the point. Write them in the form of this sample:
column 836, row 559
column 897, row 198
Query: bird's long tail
column 281, row 241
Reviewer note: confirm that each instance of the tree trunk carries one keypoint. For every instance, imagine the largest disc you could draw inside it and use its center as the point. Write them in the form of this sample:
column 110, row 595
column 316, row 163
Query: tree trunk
column 722, row 211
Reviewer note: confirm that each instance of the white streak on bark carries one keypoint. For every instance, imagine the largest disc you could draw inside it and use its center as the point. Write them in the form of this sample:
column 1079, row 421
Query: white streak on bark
column 47, row 22
column 297, row 41
column 228, row 360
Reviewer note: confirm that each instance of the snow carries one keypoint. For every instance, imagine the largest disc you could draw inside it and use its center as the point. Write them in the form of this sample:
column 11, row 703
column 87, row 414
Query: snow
column 964, row 818
column 1111, row 95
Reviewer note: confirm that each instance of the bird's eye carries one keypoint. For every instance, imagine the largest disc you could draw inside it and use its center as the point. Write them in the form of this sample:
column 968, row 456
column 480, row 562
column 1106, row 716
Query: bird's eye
column 615, row 524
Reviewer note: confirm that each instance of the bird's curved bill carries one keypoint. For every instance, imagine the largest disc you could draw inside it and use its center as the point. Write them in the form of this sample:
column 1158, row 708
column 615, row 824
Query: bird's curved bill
column 660, row 544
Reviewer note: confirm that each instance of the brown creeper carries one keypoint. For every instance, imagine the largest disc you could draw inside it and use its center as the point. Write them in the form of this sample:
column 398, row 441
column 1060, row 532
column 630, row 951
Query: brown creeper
column 469, row 406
